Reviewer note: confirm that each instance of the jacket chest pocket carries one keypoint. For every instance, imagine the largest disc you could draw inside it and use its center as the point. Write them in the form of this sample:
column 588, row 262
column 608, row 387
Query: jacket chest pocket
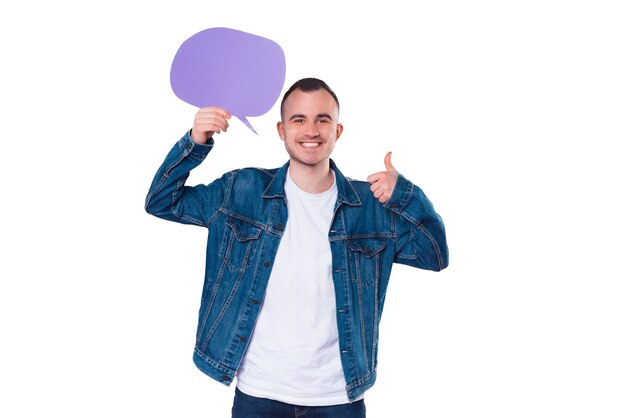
column 364, row 260
column 239, row 244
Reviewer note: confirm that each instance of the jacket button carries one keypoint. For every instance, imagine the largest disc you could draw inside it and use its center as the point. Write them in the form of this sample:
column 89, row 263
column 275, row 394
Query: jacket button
column 255, row 301
column 242, row 338
column 279, row 226
column 266, row 264
column 225, row 377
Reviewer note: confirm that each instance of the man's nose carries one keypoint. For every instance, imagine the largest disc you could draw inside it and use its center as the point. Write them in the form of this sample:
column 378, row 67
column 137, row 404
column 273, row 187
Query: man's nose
column 312, row 130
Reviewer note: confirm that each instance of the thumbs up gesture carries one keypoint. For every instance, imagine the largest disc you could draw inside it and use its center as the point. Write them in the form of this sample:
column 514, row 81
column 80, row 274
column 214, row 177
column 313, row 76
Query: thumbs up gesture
column 384, row 182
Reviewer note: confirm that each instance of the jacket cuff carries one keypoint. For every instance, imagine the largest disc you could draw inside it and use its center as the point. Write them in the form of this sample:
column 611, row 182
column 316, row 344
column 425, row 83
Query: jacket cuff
column 193, row 149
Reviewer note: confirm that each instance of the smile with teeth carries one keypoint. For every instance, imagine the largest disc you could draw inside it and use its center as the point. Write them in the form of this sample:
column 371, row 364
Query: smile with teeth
column 310, row 144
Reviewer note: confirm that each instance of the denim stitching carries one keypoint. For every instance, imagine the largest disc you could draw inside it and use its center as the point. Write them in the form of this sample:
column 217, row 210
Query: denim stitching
column 434, row 244
column 300, row 411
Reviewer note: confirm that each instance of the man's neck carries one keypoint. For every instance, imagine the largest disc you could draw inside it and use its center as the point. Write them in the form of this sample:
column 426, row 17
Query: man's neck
column 312, row 179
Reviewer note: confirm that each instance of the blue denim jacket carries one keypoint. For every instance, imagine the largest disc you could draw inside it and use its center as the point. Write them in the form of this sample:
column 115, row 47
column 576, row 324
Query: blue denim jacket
column 246, row 213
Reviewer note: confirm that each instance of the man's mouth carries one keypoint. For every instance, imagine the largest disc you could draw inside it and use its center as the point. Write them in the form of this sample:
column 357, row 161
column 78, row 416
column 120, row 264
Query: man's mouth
column 310, row 144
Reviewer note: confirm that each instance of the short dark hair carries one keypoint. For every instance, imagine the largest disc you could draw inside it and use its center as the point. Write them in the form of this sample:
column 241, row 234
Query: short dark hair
column 308, row 85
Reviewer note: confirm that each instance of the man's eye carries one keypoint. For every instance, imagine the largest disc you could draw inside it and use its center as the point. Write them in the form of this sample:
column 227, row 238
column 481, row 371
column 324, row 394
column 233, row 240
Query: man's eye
column 323, row 121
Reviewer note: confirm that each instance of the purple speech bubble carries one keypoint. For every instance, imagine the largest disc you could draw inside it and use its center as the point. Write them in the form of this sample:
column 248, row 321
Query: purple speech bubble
column 235, row 70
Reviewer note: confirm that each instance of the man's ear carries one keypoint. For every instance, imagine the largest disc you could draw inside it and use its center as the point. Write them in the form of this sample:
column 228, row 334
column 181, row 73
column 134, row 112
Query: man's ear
column 281, row 130
column 339, row 130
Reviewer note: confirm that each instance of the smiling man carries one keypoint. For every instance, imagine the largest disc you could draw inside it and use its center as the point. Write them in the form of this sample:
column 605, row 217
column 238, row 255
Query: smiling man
column 298, row 261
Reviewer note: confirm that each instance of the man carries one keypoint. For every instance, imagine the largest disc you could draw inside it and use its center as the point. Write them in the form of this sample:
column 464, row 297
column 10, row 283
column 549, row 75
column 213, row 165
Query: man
column 298, row 261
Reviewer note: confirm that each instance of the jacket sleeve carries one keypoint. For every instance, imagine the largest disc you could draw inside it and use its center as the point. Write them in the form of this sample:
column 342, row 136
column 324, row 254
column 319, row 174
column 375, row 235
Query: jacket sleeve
column 420, row 233
column 169, row 198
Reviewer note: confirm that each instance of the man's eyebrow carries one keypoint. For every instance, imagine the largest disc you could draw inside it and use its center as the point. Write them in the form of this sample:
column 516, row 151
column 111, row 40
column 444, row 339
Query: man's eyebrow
column 319, row 116
column 297, row 116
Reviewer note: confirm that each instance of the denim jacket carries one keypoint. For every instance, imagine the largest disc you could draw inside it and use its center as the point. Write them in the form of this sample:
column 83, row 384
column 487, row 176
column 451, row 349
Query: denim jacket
column 245, row 212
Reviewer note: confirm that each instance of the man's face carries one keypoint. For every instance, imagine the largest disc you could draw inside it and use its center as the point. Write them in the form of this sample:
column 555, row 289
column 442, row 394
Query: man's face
column 309, row 127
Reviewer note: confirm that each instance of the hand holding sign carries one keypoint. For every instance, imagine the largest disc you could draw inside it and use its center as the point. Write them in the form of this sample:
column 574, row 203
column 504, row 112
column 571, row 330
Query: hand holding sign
column 233, row 70
column 209, row 121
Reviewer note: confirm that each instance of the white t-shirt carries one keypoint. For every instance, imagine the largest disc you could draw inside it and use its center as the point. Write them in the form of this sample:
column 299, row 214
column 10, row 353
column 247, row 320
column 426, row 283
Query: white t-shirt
column 293, row 355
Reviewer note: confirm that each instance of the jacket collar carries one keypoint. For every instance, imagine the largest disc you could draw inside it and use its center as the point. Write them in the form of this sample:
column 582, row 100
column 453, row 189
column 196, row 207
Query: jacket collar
column 345, row 191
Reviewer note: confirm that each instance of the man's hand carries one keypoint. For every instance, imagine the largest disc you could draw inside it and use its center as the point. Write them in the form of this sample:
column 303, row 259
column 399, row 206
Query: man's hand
column 209, row 121
column 384, row 182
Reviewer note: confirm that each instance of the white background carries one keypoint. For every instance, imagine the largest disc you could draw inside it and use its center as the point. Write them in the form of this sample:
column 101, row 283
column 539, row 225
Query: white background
column 509, row 114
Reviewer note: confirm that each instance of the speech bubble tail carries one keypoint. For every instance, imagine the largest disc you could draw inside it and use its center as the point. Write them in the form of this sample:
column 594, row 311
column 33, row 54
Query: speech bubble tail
column 247, row 123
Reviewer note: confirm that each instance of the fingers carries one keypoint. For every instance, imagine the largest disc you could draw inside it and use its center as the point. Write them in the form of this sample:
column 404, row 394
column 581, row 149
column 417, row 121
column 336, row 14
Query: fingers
column 384, row 182
column 372, row 178
column 209, row 121
column 382, row 189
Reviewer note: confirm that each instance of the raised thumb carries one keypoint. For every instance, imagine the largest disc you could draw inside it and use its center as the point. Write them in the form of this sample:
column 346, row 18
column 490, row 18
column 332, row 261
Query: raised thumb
column 388, row 164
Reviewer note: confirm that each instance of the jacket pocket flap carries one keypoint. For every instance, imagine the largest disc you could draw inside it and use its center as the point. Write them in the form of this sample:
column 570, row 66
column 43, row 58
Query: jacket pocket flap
column 368, row 246
column 244, row 231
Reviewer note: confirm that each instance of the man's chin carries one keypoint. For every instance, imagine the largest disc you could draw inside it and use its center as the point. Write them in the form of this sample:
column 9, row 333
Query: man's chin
column 309, row 162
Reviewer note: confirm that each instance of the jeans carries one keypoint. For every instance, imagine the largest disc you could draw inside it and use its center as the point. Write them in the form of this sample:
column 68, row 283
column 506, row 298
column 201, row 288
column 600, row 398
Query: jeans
column 246, row 406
